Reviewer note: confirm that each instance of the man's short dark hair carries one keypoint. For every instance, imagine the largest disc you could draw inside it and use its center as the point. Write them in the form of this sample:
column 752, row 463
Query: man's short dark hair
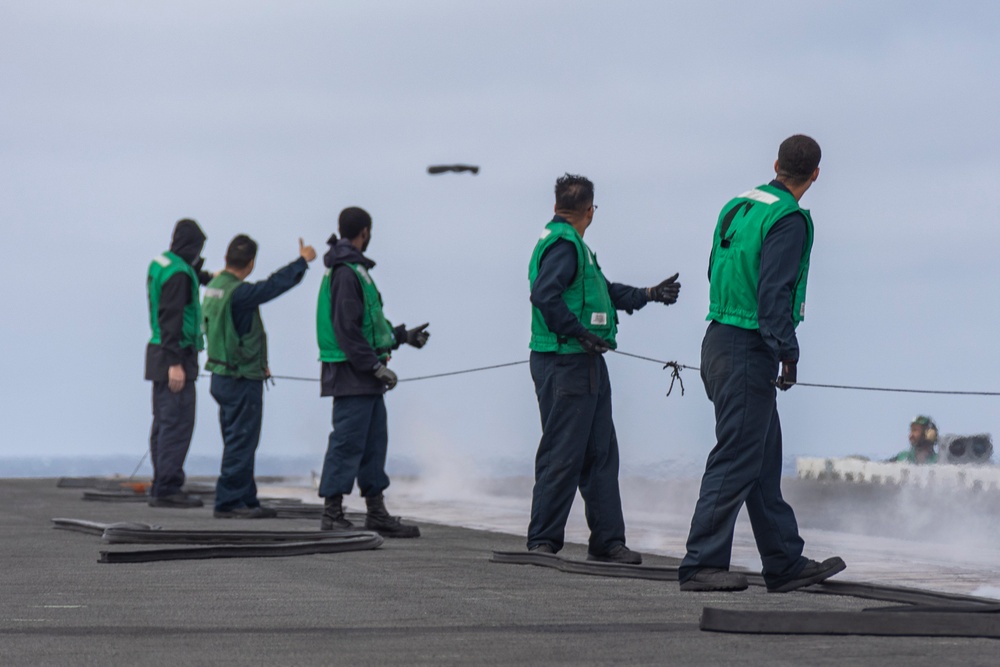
column 241, row 251
column 798, row 157
column 352, row 221
column 574, row 193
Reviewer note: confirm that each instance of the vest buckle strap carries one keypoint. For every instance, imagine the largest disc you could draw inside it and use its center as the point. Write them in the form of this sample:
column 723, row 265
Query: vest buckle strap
column 231, row 367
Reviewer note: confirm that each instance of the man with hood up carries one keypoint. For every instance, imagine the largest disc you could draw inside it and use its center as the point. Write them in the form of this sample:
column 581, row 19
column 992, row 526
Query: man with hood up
column 354, row 340
column 172, row 360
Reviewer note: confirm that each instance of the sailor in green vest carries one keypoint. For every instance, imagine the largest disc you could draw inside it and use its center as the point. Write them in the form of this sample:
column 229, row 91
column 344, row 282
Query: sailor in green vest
column 237, row 358
column 923, row 440
column 355, row 340
column 757, row 296
column 574, row 321
column 172, row 360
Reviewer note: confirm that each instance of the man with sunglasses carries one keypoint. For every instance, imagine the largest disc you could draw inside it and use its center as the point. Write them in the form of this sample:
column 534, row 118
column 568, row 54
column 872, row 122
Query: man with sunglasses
column 573, row 323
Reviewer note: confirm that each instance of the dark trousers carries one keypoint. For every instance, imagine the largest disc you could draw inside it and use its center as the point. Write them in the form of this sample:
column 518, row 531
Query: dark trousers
column 241, row 408
column 357, row 447
column 170, row 436
column 738, row 369
column 578, row 450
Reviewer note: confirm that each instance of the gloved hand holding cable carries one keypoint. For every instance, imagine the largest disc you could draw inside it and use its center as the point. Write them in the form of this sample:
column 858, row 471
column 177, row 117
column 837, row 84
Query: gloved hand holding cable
column 383, row 373
column 788, row 375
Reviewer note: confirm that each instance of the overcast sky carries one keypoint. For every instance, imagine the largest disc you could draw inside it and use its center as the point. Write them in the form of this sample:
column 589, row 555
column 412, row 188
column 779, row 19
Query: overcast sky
column 118, row 118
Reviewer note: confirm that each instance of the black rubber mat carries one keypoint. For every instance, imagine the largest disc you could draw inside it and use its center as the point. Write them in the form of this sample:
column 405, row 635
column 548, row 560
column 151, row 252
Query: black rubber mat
column 958, row 607
column 586, row 566
column 98, row 528
column 141, row 533
column 882, row 593
column 127, row 535
column 878, row 623
column 334, row 545
column 100, row 483
column 900, row 594
column 119, row 496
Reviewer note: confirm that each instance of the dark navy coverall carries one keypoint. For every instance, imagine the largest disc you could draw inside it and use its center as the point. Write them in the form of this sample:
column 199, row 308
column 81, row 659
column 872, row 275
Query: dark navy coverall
column 359, row 442
column 174, row 413
column 241, row 401
column 738, row 368
column 578, row 448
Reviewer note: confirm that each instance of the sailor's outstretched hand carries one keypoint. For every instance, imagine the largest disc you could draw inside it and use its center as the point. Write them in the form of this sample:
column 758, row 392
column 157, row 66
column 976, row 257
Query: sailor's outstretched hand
column 417, row 336
column 666, row 292
column 306, row 251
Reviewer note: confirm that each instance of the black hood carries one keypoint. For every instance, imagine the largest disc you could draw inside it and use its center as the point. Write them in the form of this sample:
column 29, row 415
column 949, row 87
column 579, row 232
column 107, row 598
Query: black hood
column 188, row 241
column 342, row 252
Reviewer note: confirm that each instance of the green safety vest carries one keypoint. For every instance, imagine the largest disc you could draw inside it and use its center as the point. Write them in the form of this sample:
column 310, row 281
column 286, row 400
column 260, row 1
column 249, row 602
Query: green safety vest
column 161, row 269
column 228, row 353
column 587, row 296
column 376, row 329
column 909, row 456
column 735, row 261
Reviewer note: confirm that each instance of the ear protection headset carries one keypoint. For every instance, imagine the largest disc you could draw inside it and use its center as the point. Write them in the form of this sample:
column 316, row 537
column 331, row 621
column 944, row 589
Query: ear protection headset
column 930, row 428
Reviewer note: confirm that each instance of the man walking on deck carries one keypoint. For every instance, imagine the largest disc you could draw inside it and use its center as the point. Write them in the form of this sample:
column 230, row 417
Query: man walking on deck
column 757, row 270
column 237, row 358
column 355, row 339
column 573, row 323
column 172, row 360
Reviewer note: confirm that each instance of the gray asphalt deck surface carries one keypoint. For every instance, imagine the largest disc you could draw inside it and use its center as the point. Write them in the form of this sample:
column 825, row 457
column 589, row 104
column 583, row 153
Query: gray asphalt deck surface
column 435, row 600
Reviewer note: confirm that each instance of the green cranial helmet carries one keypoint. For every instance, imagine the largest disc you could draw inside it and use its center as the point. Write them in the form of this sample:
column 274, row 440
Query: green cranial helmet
column 930, row 428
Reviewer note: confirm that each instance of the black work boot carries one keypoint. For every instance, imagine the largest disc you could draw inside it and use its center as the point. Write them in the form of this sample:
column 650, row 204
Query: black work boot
column 618, row 554
column 333, row 514
column 378, row 519
column 812, row 573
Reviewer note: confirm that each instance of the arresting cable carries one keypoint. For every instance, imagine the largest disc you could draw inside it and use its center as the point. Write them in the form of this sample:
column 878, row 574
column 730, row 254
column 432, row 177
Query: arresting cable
column 675, row 375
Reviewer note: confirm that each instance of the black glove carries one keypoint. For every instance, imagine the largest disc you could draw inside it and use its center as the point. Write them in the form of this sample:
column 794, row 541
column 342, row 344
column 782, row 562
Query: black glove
column 788, row 375
column 383, row 373
column 666, row 292
column 593, row 344
column 417, row 337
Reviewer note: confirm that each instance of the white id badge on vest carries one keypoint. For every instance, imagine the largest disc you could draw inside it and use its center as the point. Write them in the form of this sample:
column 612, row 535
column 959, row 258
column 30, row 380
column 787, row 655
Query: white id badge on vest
column 599, row 319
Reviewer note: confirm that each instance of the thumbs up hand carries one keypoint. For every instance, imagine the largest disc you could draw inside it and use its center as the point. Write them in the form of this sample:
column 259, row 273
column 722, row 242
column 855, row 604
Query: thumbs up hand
column 306, row 251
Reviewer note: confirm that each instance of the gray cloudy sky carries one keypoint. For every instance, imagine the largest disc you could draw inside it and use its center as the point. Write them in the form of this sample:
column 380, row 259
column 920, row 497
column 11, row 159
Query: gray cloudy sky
column 118, row 118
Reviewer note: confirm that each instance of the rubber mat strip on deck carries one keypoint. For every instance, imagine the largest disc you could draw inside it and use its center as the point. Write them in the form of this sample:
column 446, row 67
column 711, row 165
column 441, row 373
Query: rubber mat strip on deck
column 98, row 528
column 100, row 483
column 333, row 545
column 877, row 623
column 881, row 592
column 900, row 594
column 308, row 511
column 128, row 535
column 912, row 596
column 586, row 566
column 120, row 496
column 142, row 533
column 297, row 510
column 992, row 608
